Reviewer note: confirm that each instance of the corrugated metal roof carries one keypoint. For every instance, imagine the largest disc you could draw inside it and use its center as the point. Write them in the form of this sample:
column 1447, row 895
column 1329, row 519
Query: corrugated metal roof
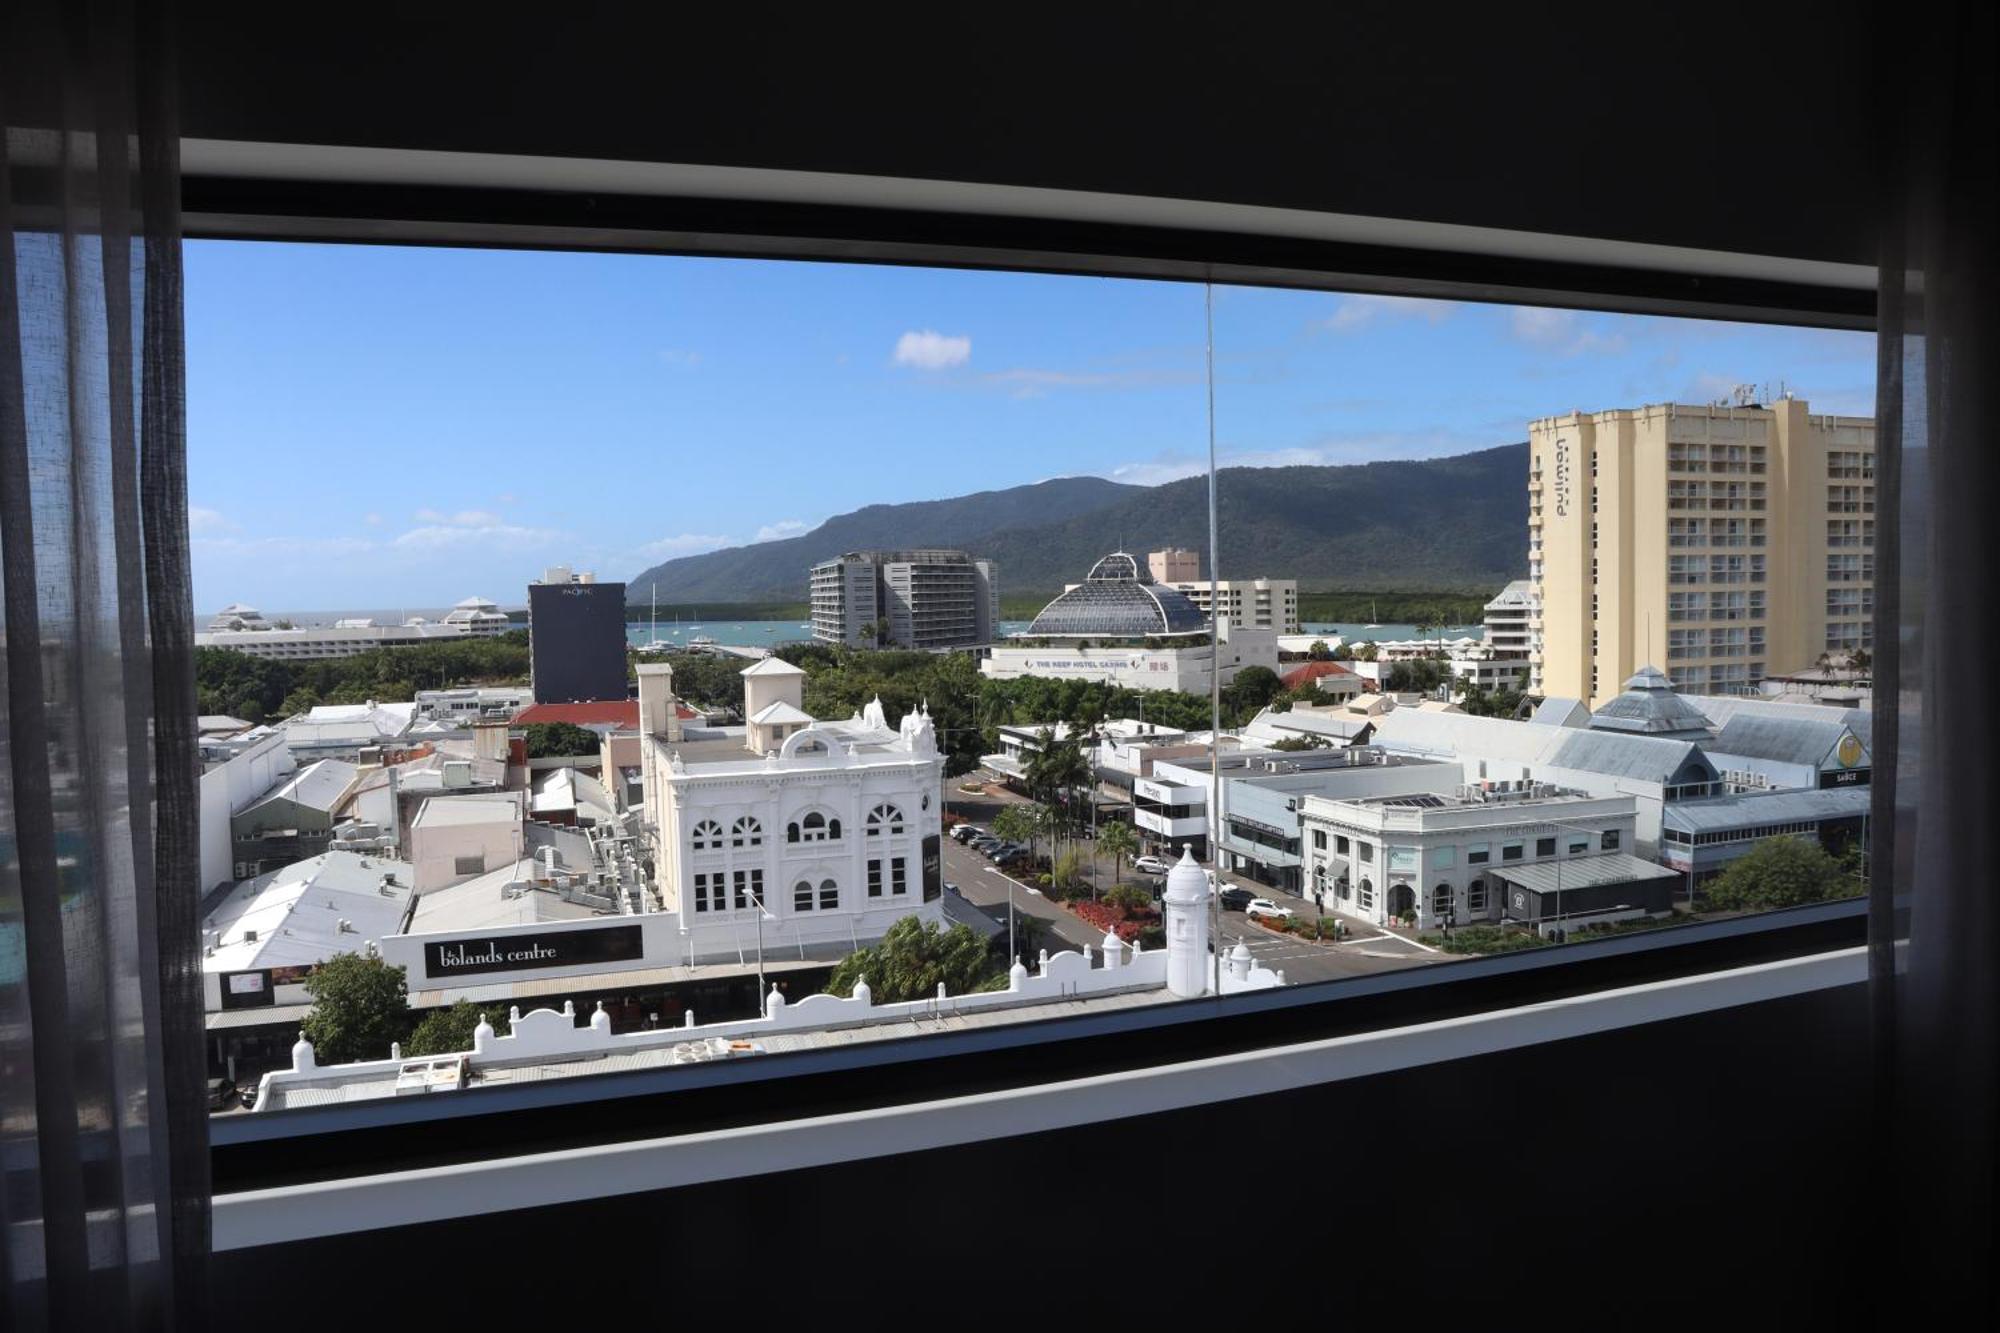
column 296, row 911
column 1721, row 708
column 1758, row 808
column 1649, row 758
column 317, row 786
column 1584, row 872
column 1785, row 740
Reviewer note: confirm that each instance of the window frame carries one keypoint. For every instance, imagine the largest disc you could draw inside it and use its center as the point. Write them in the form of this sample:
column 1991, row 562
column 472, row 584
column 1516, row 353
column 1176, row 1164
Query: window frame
column 226, row 198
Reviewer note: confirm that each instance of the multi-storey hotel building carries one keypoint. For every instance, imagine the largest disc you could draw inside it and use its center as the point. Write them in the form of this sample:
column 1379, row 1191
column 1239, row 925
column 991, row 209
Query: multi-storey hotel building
column 929, row 598
column 1726, row 543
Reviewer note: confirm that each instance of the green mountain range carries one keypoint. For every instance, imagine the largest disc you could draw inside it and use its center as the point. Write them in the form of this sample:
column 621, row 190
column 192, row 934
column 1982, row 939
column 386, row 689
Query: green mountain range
column 1437, row 523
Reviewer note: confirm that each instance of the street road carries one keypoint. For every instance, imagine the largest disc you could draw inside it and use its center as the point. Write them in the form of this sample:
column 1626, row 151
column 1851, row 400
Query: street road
column 1369, row 949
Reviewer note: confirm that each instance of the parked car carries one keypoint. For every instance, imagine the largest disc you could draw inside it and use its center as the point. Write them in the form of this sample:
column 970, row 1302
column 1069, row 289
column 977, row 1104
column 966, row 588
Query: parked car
column 221, row 1092
column 1236, row 898
column 966, row 832
column 249, row 1095
column 1151, row 865
column 1257, row 907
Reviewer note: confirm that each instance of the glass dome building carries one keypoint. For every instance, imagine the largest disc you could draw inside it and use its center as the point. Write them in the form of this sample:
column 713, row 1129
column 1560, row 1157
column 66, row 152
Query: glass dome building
column 1119, row 600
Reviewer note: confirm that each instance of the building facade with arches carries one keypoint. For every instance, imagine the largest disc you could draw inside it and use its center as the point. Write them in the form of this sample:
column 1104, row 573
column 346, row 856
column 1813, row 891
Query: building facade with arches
column 815, row 832
column 1457, row 857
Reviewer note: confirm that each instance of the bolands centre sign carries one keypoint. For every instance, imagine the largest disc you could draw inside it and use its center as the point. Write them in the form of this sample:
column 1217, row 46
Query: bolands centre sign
column 513, row 953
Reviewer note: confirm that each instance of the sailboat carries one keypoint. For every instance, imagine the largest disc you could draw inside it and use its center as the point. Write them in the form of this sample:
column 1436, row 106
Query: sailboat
column 656, row 644
column 1372, row 622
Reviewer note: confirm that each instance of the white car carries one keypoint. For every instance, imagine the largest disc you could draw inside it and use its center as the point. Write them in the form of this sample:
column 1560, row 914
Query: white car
column 1265, row 907
column 1151, row 865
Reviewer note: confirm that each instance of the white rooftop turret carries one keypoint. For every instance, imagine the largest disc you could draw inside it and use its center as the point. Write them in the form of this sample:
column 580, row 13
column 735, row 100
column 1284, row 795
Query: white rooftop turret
column 1240, row 960
column 1114, row 949
column 1186, row 905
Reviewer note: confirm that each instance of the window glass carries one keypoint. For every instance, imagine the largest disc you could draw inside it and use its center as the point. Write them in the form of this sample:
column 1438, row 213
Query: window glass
column 1033, row 681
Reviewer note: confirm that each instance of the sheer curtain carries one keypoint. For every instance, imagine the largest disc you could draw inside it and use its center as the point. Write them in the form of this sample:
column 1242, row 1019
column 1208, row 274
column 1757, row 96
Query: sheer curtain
column 103, row 1137
column 1935, row 914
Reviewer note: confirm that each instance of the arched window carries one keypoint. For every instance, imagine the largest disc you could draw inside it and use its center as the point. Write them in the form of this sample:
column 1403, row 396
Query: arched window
column 1475, row 896
column 1367, row 899
column 792, row 831
column 1441, row 900
column 802, row 896
column 884, row 818
column 829, row 895
column 814, row 826
column 747, row 832
column 707, row 836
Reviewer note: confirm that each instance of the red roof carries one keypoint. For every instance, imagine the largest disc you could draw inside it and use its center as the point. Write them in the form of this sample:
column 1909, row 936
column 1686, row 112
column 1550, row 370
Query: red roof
column 617, row 714
column 1311, row 671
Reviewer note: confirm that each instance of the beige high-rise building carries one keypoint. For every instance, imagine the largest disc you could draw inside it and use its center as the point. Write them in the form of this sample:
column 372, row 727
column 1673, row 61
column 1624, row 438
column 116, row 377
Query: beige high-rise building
column 1722, row 544
column 1176, row 564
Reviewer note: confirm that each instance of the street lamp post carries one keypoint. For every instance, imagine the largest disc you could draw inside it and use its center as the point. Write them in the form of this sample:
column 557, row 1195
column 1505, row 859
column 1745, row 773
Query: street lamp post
column 757, row 899
column 1012, row 956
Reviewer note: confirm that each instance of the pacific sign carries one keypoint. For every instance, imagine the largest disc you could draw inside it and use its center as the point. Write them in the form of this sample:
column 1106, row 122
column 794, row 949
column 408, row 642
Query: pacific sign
column 513, row 953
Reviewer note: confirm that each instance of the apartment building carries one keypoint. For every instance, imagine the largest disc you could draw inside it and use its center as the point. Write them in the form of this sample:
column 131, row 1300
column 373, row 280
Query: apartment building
column 1729, row 542
column 1512, row 630
column 928, row 598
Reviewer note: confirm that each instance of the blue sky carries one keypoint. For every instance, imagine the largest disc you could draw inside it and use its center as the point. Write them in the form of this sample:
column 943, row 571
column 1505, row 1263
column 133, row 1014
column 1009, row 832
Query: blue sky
column 375, row 427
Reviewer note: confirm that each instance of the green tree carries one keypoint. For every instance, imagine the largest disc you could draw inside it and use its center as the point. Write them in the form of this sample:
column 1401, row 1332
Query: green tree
column 1022, row 824
column 360, row 1005
column 1319, row 652
column 1302, row 742
column 913, row 958
column 444, row 1031
column 1117, row 841
column 301, row 700
column 1779, row 872
column 1254, row 687
column 557, row 740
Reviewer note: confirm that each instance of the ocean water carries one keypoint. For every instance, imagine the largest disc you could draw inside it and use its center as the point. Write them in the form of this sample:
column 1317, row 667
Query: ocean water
column 768, row 633
column 746, row 633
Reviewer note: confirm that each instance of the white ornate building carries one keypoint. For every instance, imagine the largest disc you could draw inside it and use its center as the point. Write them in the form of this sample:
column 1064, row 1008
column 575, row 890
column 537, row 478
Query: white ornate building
column 833, row 827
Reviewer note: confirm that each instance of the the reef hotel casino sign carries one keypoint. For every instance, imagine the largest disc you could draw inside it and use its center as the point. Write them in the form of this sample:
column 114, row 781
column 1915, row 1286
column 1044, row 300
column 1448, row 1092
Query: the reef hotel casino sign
column 462, row 957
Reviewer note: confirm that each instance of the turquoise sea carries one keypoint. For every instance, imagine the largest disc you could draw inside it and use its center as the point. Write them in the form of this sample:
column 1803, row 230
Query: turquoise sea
column 768, row 633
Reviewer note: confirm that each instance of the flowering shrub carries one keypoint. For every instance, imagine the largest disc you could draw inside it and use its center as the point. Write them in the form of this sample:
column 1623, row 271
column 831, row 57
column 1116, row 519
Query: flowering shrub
column 1108, row 916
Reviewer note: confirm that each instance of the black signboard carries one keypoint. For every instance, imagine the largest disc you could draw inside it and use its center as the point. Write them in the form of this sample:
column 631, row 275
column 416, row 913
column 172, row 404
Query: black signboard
column 444, row 959
column 247, row 990
column 933, row 868
column 1843, row 777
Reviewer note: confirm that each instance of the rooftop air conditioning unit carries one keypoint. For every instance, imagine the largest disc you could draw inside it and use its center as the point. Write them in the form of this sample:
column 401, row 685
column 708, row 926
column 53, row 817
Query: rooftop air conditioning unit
column 249, row 937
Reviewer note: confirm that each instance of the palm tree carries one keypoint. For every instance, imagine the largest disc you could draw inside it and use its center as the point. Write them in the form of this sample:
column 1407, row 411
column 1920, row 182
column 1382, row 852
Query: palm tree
column 1117, row 839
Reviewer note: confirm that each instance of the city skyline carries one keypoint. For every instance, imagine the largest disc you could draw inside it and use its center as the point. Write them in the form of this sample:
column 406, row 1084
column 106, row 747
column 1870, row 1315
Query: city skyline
column 407, row 427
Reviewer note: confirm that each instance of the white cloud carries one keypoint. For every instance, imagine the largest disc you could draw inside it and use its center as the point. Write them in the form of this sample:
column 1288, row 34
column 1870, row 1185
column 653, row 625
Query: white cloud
column 1358, row 312
column 202, row 520
column 464, row 518
column 1562, row 331
column 686, row 543
column 931, row 350
column 439, row 537
column 783, row 528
